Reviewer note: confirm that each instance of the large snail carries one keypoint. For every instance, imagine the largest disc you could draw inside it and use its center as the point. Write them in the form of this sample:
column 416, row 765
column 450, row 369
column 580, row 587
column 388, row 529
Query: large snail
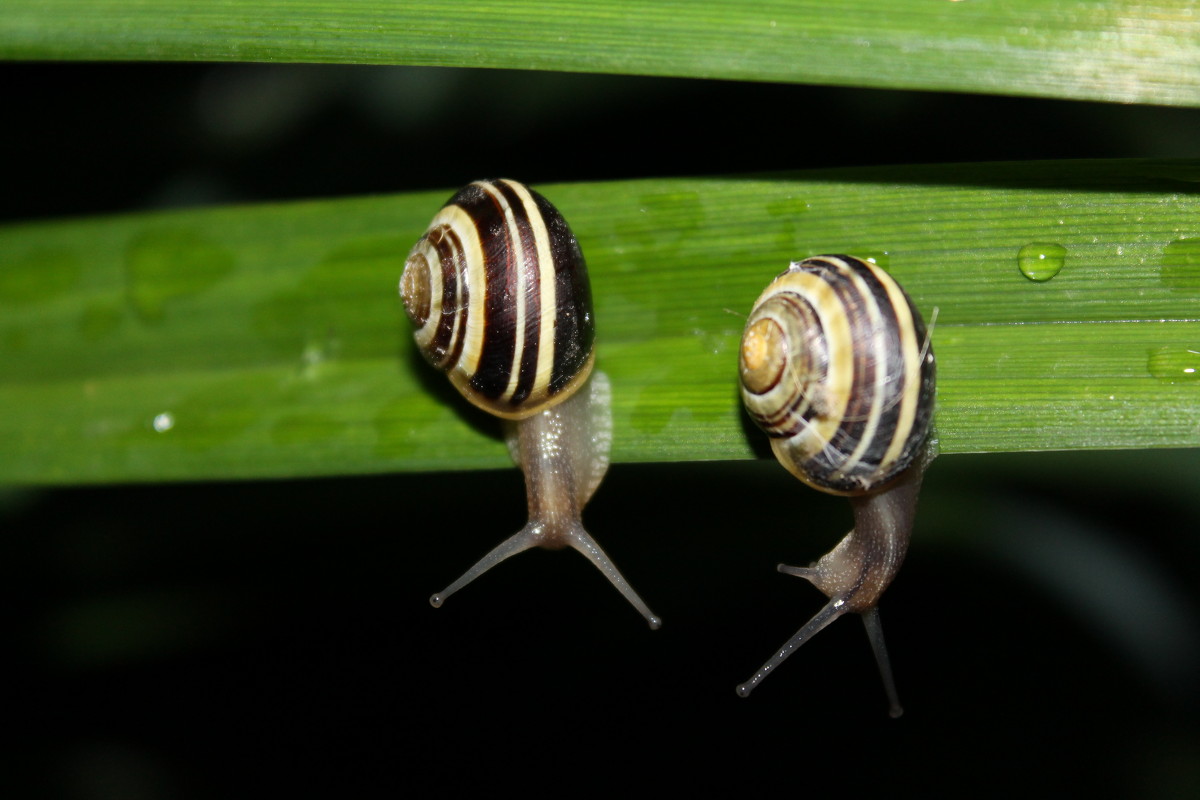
column 836, row 368
column 497, row 291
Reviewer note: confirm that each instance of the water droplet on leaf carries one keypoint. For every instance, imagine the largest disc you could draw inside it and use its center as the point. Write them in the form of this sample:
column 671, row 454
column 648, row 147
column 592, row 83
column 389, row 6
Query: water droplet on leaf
column 1041, row 261
column 1175, row 364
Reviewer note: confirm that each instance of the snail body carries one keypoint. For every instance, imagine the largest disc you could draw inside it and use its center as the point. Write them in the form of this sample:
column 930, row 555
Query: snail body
column 498, row 295
column 836, row 368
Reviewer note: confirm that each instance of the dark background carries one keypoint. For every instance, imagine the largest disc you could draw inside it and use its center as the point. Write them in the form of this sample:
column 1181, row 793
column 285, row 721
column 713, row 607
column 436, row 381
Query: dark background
column 217, row 640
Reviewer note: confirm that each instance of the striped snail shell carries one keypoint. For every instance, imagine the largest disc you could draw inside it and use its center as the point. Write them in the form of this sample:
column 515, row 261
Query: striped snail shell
column 836, row 368
column 498, row 295
column 498, row 292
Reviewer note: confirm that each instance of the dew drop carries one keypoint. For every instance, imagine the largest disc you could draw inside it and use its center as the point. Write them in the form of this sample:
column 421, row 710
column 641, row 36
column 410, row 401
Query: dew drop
column 1175, row 364
column 879, row 258
column 1181, row 265
column 1041, row 261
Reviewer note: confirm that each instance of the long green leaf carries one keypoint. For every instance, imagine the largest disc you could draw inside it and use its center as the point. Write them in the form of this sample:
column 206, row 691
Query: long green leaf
column 1116, row 50
column 269, row 341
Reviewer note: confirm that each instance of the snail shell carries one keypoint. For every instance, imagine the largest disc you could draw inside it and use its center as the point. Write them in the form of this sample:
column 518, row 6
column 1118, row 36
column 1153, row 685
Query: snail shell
column 836, row 368
column 498, row 292
column 498, row 295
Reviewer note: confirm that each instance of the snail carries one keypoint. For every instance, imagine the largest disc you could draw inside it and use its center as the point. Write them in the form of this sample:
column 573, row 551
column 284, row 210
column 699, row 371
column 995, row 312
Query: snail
column 836, row 368
column 497, row 292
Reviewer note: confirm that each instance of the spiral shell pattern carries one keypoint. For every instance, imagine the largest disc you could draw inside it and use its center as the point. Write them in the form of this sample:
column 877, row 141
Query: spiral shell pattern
column 497, row 290
column 837, row 370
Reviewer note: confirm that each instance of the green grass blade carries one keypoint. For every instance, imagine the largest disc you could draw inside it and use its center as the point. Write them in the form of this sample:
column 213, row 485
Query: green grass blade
column 269, row 341
column 1115, row 50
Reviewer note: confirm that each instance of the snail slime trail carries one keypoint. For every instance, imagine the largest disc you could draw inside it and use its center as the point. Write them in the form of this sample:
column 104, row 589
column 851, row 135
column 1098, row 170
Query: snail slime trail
column 498, row 295
column 835, row 367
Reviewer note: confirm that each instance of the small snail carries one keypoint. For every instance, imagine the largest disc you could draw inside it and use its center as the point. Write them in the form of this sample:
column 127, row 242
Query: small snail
column 836, row 368
column 497, row 290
